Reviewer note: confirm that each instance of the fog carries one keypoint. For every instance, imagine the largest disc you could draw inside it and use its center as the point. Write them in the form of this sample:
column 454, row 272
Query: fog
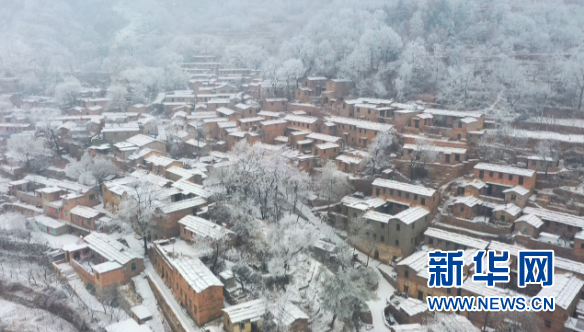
column 460, row 54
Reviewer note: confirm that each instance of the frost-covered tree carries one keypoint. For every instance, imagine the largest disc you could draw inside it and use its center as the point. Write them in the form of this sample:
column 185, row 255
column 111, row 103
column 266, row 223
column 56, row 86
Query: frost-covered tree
column 332, row 184
column 379, row 151
column 419, row 157
column 139, row 206
column 91, row 171
column 117, row 97
column 28, row 149
column 67, row 91
column 346, row 291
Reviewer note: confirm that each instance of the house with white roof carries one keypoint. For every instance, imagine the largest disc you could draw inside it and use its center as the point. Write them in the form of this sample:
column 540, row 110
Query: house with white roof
column 247, row 316
column 193, row 285
column 102, row 260
column 405, row 194
column 503, row 177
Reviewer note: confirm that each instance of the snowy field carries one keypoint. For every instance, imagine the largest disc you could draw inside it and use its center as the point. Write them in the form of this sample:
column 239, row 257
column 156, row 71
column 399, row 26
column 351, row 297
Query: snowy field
column 15, row 317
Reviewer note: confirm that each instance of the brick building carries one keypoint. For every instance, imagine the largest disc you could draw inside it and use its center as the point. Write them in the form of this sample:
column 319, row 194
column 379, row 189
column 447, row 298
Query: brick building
column 406, row 194
column 502, row 177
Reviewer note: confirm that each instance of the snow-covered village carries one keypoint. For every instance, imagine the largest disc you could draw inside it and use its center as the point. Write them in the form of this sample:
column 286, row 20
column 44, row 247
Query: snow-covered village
column 288, row 166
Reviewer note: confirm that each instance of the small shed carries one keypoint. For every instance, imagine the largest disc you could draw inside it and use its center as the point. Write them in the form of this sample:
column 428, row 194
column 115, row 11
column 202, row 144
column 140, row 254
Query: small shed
column 227, row 279
column 290, row 317
column 245, row 317
column 141, row 314
column 51, row 226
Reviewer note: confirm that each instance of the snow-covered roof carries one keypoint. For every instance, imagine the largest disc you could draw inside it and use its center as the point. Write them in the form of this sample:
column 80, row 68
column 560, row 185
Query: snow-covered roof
column 469, row 120
column 254, row 119
column 317, row 78
column 324, row 137
column 227, row 124
column 273, row 122
column 106, row 267
column 192, row 188
column 458, row 114
column 141, row 312
column 85, row 211
column 406, row 187
column 416, row 261
column 410, row 215
column 555, row 216
column 522, row 191
column 141, row 140
column 327, row 145
column 480, row 290
column 362, row 124
column 368, row 100
column 500, row 246
column 141, row 153
column 251, row 310
column 160, row 160
column 74, row 186
column 510, row 208
column 541, row 158
column 183, row 204
column 196, row 274
column 225, row 111
column 471, row 201
column 109, row 248
column 120, row 129
column 348, row 159
column 49, row 190
column 409, row 328
column 287, row 314
column 377, row 216
column 568, row 265
column 530, row 219
column 565, row 290
column 362, row 204
column 302, row 119
column 48, row 221
column 435, row 148
column 410, row 305
column 464, row 240
column 204, row 228
column 505, row 169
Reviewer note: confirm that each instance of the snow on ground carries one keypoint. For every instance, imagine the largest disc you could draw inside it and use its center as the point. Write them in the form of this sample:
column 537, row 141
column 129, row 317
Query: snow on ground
column 187, row 323
column 16, row 317
column 105, row 316
column 56, row 242
column 143, row 288
column 384, row 291
column 4, row 185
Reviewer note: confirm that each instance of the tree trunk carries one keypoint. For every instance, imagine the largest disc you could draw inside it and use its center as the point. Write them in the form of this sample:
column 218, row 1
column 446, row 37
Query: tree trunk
column 333, row 322
column 145, row 244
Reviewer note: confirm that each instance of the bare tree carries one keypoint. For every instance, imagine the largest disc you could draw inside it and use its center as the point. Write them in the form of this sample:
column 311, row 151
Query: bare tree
column 379, row 151
column 419, row 157
column 139, row 206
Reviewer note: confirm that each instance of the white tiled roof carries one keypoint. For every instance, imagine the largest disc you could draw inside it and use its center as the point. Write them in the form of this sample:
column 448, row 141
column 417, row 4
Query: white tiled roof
column 531, row 219
column 325, row 146
column 452, row 113
column 160, row 160
column 500, row 246
column 141, row 140
column 376, row 126
column 511, row 209
column 109, row 248
column 377, row 216
column 251, row 310
column 225, row 110
column 107, row 267
column 348, row 159
column 302, row 119
column 287, row 314
column 416, row 261
column 406, row 187
column 183, row 204
column 411, row 215
column 565, row 290
column 505, row 169
column 464, row 240
column 435, row 148
column 84, row 211
column 559, row 217
column 204, row 228
column 192, row 188
column 197, row 275
column 518, row 189
column 324, row 137
column 273, row 122
column 254, row 119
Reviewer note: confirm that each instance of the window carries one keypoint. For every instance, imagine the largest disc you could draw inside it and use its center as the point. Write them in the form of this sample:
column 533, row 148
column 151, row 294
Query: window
column 397, row 242
column 491, row 174
column 457, row 157
column 420, row 295
column 382, row 225
column 481, row 174
column 462, row 209
column 92, row 196
column 570, row 229
column 460, row 124
column 407, row 195
column 97, row 276
column 521, row 180
column 377, row 191
column 431, row 241
column 502, row 217
column 423, row 201
column 513, row 197
column 391, row 192
column 407, row 274
column 500, row 175
column 399, row 193
column 448, row 290
column 397, row 227
column 133, row 266
column 510, row 177
column 415, row 197
column 184, row 230
column 406, row 289
column 547, row 223
column 375, row 237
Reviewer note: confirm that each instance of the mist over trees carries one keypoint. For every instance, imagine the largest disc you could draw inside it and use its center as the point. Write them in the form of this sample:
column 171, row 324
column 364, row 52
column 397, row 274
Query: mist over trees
column 460, row 54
